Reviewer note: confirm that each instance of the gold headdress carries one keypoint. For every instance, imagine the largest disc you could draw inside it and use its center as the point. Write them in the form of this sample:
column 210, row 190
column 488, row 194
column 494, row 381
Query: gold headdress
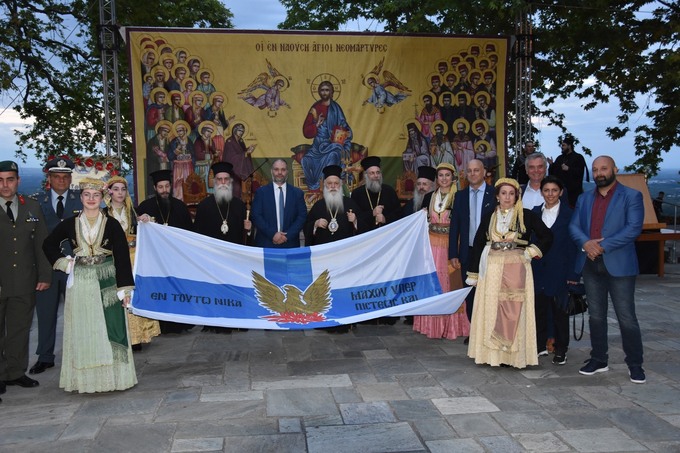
column 91, row 184
column 518, row 214
column 129, row 210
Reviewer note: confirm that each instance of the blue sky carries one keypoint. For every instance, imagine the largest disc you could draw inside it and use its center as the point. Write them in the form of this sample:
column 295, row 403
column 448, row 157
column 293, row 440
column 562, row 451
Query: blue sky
column 588, row 126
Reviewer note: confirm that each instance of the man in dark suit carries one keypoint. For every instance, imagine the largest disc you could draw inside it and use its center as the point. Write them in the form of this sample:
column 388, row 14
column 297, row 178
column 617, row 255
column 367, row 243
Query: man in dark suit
column 605, row 225
column 478, row 198
column 278, row 211
column 24, row 270
column 57, row 203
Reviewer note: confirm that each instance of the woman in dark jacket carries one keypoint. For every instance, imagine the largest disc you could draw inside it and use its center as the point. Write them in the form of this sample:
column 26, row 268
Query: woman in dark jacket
column 555, row 271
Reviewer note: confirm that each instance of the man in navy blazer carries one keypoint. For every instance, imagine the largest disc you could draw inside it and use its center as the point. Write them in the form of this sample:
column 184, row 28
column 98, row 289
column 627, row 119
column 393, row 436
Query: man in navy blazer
column 57, row 203
column 265, row 214
column 604, row 226
column 461, row 236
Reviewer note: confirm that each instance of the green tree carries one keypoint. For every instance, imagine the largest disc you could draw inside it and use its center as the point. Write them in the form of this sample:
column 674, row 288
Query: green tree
column 50, row 66
column 600, row 51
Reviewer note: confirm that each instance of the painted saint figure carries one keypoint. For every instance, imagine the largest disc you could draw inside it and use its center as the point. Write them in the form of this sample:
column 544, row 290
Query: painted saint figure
column 327, row 125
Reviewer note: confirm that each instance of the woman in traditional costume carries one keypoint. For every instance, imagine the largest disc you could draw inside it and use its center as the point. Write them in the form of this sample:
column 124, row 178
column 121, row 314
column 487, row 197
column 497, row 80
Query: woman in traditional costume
column 503, row 328
column 96, row 351
column 119, row 206
column 439, row 204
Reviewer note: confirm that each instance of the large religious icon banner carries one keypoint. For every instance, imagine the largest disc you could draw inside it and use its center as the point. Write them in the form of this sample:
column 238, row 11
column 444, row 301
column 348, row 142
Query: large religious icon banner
column 314, row 99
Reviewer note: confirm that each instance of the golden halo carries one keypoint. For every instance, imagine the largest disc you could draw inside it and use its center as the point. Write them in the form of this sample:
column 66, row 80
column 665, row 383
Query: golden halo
column 205, row 124
column 163, row 123
column 464, row 122
column 180, row 123
column 182, row 49
column 219, row 94
column 442, row 124
column 449, row 74
column 168, row 57
column 484, row 124
column 441, row 62
column 187, row 81
column 180, row 66
column 177, row 93
column 230, row 130
column 286, row 83
column 200, row 94
column 445, row 93
column 482, row 94
column 147, row 52
column 408, row 124
column 434, row 75
column 203, row 71
column 466, row 95
column 163, row 69
column 156, row 91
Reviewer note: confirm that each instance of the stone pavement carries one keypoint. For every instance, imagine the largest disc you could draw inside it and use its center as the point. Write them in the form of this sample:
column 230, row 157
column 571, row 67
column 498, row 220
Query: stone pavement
column 376, row 389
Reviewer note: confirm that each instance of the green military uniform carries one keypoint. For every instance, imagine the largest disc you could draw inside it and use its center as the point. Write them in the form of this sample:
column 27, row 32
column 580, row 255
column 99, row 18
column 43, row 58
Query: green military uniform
column 22, row 266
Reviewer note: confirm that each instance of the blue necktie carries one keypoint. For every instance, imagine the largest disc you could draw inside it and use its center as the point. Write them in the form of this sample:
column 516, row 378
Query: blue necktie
column 280, row 208
column 473, row 217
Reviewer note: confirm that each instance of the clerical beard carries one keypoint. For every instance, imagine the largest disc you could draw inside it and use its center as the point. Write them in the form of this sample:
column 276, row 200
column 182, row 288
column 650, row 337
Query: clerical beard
column 374, row 186
column 333, row 199
column 417, row 200
column 163, row 203
column 223, row 193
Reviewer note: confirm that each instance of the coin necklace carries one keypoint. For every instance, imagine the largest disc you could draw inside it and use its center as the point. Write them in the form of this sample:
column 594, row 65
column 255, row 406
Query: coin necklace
column 224, row 228
column 333, row 224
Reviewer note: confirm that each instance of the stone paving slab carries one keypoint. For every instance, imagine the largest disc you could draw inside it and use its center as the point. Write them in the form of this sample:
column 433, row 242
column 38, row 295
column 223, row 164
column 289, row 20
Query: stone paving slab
column 374, row 438
column 600, row 440
column 375, row 389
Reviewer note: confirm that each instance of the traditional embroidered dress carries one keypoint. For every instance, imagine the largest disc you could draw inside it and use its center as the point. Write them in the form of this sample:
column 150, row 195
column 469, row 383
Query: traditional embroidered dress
column 456, row 324
column 96, row 352
column 141, row 329
column 503, row 329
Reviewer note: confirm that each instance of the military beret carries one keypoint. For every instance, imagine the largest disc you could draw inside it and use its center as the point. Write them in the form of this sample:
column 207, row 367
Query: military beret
column 8, row 165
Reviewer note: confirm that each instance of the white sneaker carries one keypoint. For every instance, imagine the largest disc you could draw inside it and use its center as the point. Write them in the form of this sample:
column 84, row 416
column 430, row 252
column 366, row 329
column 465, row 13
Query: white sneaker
column 543, row 353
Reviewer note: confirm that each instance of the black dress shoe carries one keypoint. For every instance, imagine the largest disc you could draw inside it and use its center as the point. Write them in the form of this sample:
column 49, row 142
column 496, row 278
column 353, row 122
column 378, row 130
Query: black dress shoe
column 39, row 367
column 23, row 381
column 3, row 387
column 466, row 341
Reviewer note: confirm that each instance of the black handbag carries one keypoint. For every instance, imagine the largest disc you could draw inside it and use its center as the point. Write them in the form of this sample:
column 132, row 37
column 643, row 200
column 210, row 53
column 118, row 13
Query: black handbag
column 577, row 305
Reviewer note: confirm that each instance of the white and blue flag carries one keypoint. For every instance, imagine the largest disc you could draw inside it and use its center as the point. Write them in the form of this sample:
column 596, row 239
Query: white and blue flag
column 190, row 278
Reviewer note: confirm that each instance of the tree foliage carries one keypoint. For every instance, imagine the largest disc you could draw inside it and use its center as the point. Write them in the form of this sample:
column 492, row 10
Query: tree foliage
column 600, row 51
column 50, row 66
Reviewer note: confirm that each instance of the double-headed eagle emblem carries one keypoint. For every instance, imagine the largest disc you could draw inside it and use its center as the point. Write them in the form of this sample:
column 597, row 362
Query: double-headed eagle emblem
column 289, row 304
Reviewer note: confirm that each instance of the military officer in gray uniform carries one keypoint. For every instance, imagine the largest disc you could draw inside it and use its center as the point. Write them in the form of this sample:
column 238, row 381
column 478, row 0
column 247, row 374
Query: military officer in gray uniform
column 57, row 203
column 24, row 269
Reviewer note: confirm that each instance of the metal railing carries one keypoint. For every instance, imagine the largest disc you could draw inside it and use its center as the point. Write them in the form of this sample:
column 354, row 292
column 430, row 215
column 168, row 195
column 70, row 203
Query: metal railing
column 672, row 255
